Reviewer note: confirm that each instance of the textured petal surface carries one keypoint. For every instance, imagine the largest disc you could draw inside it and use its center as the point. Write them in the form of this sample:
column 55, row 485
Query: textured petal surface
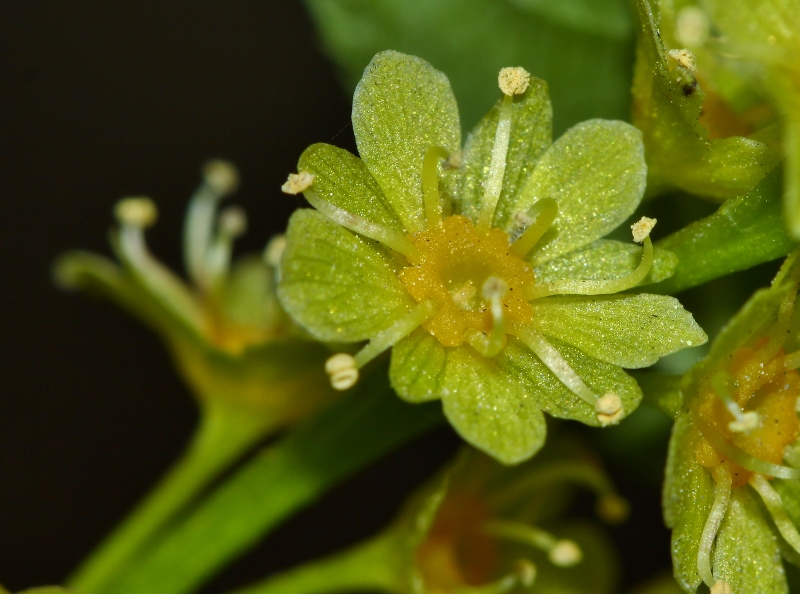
column 343, row 180
column 627, row 330
column 596, row 173
column 553, row 396
column 417, row 367
column 606, row 259
column 338, row 285
column 402, row 107
column 531, row 134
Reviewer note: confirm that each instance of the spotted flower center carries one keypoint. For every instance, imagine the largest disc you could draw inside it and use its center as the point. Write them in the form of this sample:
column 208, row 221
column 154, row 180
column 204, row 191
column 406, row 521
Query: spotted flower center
column 462, row 269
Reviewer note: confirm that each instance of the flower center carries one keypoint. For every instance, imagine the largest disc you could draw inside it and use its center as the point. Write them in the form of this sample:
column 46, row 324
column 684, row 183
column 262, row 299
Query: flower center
column 766, row 392
column 463, row 271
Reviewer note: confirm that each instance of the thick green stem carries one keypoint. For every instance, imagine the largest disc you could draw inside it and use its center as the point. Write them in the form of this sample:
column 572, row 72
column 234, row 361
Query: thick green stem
column 320, row 452
column 367, row 567
column 219, row 440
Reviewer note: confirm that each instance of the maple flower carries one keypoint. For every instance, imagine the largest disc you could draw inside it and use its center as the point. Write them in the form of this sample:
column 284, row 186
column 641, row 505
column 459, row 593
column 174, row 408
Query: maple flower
column 483, row 269
column 735, row 443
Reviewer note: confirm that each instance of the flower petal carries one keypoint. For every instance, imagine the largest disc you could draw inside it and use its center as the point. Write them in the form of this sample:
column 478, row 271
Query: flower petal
column 417, row 367
column 553, row 396
column 531, row 134
column 338, row 285
column 403, row 106
column 627, row 330
column 343, row 180
column 747, row 555
column 596, row 172
column 606, row 259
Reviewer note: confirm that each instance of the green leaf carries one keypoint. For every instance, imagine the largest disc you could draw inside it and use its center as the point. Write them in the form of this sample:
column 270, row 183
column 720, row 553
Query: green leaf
column 553, row 396
column 606, row 259
column 688, row 495
column 312, row 458
column 744, row 232
column 471, row 40
column 401, row 107
column 610, row 18
column 596, row 174
column 343, row 180
column 338, row 285
column 627, row 330
column 747, row 555
column 531, row 134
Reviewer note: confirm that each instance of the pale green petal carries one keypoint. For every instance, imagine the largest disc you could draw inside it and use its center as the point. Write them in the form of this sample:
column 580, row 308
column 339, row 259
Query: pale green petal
column 343, row 180
column 339, row 286
column 417, row 367
column 531, row 134
column 747, row 555
column 596, row 174
column 403, row 106
column 553, row 396
column 606, row 259
column 627, row 330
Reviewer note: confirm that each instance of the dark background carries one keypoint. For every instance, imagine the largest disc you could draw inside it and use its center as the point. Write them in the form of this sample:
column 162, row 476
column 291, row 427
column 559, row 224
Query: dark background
column 99, row 100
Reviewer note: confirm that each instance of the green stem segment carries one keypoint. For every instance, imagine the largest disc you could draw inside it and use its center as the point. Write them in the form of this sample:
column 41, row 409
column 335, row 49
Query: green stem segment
column 220, row 439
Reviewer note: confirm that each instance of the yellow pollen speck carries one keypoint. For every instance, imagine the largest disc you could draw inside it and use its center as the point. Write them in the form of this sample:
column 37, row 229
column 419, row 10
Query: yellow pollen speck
column 298, row 182
column 685, row 58
column 513, row 81
column 642, row 228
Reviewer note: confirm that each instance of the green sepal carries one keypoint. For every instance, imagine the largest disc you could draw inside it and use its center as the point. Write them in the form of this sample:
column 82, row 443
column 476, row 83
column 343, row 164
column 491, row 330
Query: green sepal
column 747, row 555
column 553, row 396
column 417, row 367
column 631, row 331
column 338, row 285
column 667, row 105
column 531, row 134
column 596, row 174
column 687, row 500
column 745, row 231
column 401, row 107
column 607, row 259
column 248, row 301
column 342, row 179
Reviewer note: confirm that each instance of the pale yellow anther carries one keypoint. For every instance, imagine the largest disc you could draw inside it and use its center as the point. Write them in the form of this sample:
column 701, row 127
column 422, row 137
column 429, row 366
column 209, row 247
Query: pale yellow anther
column 609, row 409
column 138, row 212
column 513, row 81
column 454, row 161
column 221, row 175
column 642, row 228
column 692, row 26
column 342, row 370
column 522, row 219
column 233, row 221
column 526, row 572
column 298, row 182
column 721, row 587
column 565, row 553
column 494, row 288
column 613, row 509
column 273, row 254
column 746, row 423
column 684, row 58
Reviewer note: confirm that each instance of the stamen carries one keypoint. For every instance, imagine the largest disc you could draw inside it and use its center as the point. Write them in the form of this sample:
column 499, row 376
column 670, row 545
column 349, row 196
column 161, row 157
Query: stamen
column 684, row 58
column 494, row 289
column 232, row 224
column 273, row 253
column 389, row 237
column 512, row 81
column 430, row 184
column 609, row 407
column 297, row 183
column 722, row 497
column 134, row 215
column 342, row 370
column 745, row 421
column 561, row 552
column 756, row 465
column 774, row 505
column 220, row 179
column 641, row 231
column 721, row 587
column 542, row 214
column 397, row 331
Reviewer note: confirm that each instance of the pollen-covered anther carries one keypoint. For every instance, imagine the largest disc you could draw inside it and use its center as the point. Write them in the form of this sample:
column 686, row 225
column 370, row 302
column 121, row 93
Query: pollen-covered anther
column 298, row 182
column 222, row 176
column 513, row 81
column 453, row 161
column 685, row 58
column 342, row 370
column 522, row 219
column 140, row 212
column 609, row 409
column 613, row 509
column 565, row 553
column 748, row 421
column 721, row 587
column 233, row 221
column 641, row 229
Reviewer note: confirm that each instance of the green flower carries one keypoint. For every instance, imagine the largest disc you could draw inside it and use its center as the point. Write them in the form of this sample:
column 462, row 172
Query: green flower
column 483, row 269
column 735, row 441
